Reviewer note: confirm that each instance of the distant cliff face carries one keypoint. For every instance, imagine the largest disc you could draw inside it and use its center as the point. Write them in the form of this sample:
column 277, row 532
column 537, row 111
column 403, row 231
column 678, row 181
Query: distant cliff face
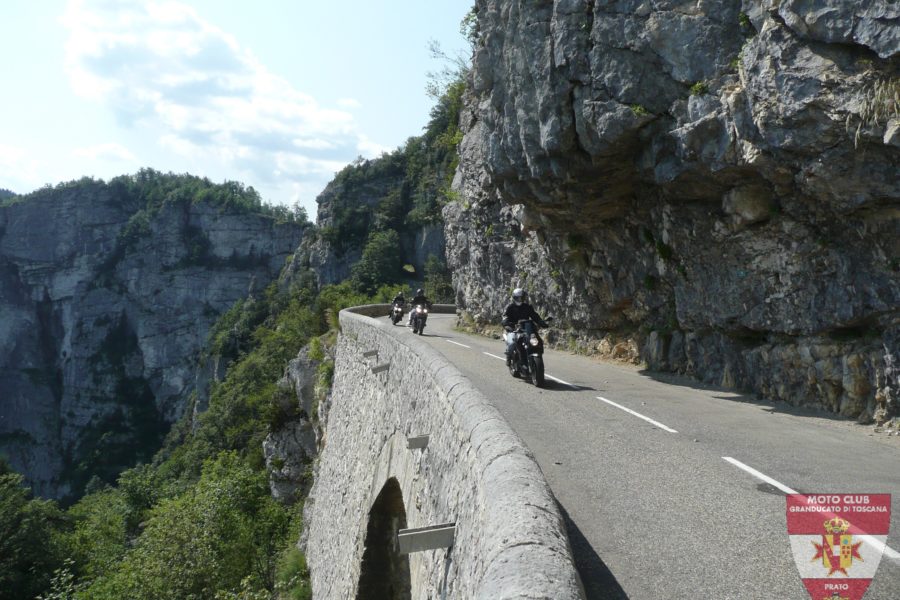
column 713, row 182
column 102, row 316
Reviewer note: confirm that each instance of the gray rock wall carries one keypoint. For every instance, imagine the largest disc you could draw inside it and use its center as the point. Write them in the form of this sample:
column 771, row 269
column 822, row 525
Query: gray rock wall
column 99, row 341
column 510, row 537
column 714, row 181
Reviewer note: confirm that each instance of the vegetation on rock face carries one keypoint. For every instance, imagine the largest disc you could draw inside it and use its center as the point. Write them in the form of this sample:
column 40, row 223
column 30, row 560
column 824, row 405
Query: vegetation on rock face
column 152, row 190
column 402, row 190
column 197, row 520
column 28, row 548
column 379, row 262
column 438, row 284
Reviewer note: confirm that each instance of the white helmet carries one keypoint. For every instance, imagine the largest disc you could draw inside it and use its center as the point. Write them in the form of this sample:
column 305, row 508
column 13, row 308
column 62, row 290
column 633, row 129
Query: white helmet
column 519, row 296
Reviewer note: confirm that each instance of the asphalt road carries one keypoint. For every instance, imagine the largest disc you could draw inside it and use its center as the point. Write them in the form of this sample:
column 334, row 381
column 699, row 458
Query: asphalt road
column 679, row 507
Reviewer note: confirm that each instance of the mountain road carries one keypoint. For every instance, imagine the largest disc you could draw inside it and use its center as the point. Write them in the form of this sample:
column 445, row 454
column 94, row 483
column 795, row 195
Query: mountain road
column 674, row 489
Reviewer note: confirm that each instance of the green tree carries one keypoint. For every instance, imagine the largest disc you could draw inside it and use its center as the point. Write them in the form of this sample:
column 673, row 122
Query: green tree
column 29, row 541
column 98, row 538
column 219, row 532
column 380, row 262
column 438, row 284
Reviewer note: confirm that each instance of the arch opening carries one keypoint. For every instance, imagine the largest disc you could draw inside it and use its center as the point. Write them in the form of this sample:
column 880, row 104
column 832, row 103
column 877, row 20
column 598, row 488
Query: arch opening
column 385, row 572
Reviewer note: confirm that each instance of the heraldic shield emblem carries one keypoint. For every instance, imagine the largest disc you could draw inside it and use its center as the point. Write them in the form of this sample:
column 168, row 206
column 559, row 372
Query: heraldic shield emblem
column 837, row 541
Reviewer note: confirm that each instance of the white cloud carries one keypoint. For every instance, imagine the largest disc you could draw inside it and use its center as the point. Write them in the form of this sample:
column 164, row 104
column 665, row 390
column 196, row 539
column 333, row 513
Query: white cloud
column 368, row 148
column 316, row 144
column 160, row 65
column 349, row 103
column 18, row 170
column 110, row 151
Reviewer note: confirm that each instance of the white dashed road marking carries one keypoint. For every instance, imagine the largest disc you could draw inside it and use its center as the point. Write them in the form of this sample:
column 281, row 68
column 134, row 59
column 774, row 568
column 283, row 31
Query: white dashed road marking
column 638, row 415
column 889, row 552
column 458, row 344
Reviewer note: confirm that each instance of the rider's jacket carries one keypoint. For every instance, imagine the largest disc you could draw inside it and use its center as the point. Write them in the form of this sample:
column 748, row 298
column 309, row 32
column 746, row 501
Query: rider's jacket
column 515, row 313
column 421, row 300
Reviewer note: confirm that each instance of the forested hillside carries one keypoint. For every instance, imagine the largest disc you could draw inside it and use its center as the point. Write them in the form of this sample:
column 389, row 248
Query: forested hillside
column 197, row 519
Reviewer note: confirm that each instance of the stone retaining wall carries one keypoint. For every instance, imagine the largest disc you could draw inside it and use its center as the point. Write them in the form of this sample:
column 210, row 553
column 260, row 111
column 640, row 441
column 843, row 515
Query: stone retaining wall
column 510, row 537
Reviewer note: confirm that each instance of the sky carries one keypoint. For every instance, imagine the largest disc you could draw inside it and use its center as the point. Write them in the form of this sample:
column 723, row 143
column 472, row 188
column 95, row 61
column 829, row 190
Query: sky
column 276, row 94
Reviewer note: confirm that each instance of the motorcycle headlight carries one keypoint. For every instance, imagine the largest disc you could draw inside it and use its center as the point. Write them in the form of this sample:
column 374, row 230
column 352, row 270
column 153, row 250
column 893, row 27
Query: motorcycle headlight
column 425, row 310
column 534, row 340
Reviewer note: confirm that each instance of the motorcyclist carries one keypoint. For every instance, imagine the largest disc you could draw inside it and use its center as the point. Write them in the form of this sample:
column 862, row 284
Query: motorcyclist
column 419, row 298
column 398, row 300
column 518, row 310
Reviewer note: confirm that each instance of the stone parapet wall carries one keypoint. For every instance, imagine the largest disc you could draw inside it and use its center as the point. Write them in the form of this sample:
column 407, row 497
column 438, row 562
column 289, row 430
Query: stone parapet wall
column 510, row 537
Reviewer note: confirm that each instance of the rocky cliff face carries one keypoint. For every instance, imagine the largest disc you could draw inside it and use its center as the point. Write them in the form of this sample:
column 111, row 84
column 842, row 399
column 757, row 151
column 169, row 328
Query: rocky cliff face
column 101, row 322
column 713, row 182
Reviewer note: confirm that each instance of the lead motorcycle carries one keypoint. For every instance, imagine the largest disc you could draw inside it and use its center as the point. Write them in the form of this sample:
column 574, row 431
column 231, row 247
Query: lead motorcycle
column 396, row 312
column 420, row 315
column 527, row 360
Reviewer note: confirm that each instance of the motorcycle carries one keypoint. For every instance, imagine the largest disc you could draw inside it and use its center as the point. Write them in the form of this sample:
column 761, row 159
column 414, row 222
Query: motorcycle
column 527, row 359
column 396, row 313
column 420, row 315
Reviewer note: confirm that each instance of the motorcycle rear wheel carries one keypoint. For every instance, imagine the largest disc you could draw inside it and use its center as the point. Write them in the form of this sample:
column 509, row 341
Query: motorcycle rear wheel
column 537, row 370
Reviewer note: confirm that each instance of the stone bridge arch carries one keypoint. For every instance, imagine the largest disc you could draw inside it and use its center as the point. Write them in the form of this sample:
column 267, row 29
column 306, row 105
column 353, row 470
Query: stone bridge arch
column 384, row 574
column 509, row 538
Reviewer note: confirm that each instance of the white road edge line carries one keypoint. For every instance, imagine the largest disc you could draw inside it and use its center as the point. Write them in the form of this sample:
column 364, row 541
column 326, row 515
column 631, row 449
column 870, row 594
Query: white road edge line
column 879, row 546
column 458, row 344
column 638, row 415
column 495, row 356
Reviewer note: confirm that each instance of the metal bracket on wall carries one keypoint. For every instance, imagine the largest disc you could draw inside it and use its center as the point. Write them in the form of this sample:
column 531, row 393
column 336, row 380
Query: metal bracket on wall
column 381, row 367
column 417, row 442
column 426, row 538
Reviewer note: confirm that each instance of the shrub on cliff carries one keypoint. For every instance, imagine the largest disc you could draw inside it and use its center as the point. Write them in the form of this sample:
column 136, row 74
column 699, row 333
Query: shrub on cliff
column 29, row 544
column 380, row 262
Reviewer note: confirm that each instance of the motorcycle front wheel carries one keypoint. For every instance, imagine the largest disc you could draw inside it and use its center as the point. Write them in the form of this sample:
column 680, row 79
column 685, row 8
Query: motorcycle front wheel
column 513, row 368
column 537, row 370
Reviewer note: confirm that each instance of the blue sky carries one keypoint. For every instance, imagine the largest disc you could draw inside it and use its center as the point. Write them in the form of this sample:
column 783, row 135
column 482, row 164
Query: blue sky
column 278, row 94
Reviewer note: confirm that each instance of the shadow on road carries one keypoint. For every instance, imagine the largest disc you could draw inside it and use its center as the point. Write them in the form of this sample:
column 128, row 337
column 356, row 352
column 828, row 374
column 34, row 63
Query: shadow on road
column 556, row 386
column 723, row 393
column 599, row 582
